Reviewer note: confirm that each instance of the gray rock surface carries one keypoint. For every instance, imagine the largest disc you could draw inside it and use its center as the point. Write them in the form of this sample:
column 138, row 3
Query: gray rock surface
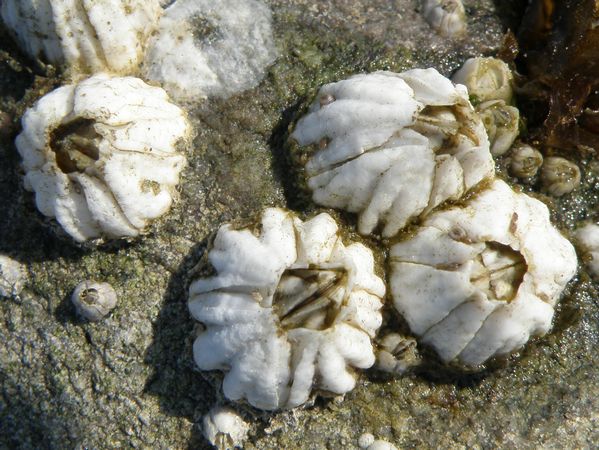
column 129, row 380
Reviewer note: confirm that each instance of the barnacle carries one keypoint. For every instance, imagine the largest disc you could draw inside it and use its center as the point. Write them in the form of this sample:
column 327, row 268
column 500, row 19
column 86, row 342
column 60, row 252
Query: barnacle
column 289, row 309
column 393, row 146
column 85, row 36
column 224, row 428
column 588, row 238
column 502, row 123
column 446, row 17
column 206, row 48
column 102, row 155
column 559, row 176
column 525, row 161
column 93, row 300
column 12, row 276
column 486, row 79
column 477, row 281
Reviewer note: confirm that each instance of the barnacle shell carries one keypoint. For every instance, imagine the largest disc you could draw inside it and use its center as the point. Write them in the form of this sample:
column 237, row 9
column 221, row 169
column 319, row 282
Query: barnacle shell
column 393, row 146
column 479, row 280
column 12, row 276
column 588, row 238
column 525, row 161
column 224, row 428
column 290, row 309
column 86, row 36
column 397, row 354
column 93, row 300
column 446, row 17
column 502, row 123
column 559, row 176
column 207, row 48
column 486, row 79
column 101, row 155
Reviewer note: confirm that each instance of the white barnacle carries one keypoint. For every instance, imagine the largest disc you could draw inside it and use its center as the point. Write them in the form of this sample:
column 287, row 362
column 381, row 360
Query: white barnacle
column 588, row 238
column 393, row 146
column 12, row 276
column 559, row 176
column 397, row 354
column 102, row 155
column 84, row 36
column 525, row 161
column 477, row 281
column 290, row 309
column 93, row 300
column 225, row 428
column 446, row 17
column 207, row 48
column 368, row 442
column 502, row 123
column 486, row 79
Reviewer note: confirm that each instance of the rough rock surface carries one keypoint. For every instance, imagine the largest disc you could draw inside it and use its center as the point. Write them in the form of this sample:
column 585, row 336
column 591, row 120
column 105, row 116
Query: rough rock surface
column 129, row 380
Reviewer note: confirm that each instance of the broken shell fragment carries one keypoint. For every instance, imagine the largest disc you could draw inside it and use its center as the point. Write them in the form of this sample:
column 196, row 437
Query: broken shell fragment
column 86, row 36
column 93, row 300
column 502, row 123
column 486, row 79
column 477, row 281
column 207, row 48
column 290, row 309
column 559, row 176
column 525, row 161
column 446, row 17
column 224, row 428
column 102, row 155
column 395, row 146
column 588, row 238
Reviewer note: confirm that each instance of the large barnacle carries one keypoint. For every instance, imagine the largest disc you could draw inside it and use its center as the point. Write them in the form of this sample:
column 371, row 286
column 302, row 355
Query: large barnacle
column 289, row 310
column 86, row 36
column 477, row 281
column 393, row 146
column 102, row 155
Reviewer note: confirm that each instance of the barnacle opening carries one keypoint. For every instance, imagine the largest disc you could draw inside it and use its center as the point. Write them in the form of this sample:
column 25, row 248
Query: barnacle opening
column 309, row 297
column 76, row 145
column 498, row 271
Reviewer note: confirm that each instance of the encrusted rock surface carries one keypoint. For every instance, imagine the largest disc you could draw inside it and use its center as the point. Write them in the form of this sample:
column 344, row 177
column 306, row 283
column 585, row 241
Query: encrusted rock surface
column 129, row 380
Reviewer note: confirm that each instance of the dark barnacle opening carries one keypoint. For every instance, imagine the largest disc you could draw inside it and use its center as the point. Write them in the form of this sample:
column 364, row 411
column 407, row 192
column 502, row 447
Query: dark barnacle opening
column 75, row 145
column 310, row 297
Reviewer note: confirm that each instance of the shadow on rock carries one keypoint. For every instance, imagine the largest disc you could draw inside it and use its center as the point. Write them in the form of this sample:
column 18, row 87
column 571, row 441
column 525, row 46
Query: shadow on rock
column 182, row 390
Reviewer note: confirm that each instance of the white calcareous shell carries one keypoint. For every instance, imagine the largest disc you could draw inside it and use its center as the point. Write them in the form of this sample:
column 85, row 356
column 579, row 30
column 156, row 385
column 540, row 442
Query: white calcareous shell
column 393, row 146
column 224, row 428
column 446, row 17
column 502, row 123
column 477, row 281
column 559, row 176
column 486, row 79
column 94, row 300
column 290, row 310
column 207, row 48
column 12, row 276
column 84, row 36
column 397, row 354
column 525, row 161
column 588, row 238
column 102, row 155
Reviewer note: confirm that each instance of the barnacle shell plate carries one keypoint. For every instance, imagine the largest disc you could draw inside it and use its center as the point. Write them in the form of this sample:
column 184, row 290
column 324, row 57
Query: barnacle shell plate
column 289, row 309
column 393, row 146
column 478, row 281
column 102, row 155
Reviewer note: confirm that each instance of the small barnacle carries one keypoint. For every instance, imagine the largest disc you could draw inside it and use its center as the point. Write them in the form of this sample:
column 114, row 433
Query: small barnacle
column 86, row 36
column 559, row 176
column 101, row 155
column 525, row 161
column 397, row 354
column 392, row 147
column 207, row 48
column 368, row 442
column 224, row 428
column 290, row 309
column 93, row 300
column 446, row 17
column 486, row 79
column 588, row 239
column 12, row 276
column 502, row 123
column 472, row 301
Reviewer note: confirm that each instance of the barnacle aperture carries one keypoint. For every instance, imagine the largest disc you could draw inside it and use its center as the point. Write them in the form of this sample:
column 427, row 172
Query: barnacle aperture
column 76, row 145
